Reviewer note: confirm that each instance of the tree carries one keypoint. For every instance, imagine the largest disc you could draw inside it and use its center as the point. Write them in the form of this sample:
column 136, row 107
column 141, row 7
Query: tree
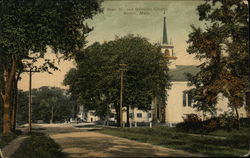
column 223, row 46
column 22, row 114
column 96, row 80
column 26, row 29
column 50, row 104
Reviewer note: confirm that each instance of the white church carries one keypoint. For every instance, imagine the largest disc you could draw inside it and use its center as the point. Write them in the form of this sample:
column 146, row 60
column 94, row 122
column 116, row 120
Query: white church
column 178, row 104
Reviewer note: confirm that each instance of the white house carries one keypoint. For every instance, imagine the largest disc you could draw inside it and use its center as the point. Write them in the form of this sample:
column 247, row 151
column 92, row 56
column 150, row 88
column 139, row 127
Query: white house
column 179, row 102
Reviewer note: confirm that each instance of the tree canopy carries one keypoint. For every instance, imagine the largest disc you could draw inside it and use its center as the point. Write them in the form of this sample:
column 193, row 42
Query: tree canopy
column 49, row 103
column 96, row 79
column 28, row 27
column 223, row 45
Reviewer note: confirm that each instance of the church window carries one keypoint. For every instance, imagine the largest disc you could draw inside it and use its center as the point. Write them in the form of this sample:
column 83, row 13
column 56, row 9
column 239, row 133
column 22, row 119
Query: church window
column 190, row 99
column 187, row 99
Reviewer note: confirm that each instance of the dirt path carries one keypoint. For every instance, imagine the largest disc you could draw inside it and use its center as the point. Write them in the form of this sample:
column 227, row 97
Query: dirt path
column 84, row 143
column 92, row 144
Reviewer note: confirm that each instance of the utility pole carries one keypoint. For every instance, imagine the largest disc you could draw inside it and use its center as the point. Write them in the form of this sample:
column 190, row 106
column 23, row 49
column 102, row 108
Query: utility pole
column 122, row 69
column 30, row 99
column 30, row 73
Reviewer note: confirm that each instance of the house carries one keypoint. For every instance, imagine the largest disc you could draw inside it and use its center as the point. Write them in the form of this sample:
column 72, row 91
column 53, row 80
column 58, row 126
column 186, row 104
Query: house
column 180, row 102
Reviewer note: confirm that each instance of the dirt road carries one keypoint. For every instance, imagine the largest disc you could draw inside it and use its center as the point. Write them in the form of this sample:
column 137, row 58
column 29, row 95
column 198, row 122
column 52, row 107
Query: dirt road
column 85, row 143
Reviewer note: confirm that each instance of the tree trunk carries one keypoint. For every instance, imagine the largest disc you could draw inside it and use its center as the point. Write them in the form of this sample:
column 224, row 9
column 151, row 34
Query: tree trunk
column 13, row 113
column 237, row 117
column 237, row 113
column 204, row 115
column 6, row 115
column 15, row 102
column 6, row 93
column 128, row 123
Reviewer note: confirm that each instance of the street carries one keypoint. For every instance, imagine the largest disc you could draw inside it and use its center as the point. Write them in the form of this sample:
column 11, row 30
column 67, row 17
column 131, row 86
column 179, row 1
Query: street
column 86, row 142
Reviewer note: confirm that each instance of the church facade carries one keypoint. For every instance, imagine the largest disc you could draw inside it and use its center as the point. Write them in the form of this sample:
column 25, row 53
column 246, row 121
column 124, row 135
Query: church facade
column 179, row 102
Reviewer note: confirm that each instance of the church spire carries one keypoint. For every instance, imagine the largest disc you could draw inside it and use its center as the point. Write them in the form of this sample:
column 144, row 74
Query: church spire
column 165, row 36
column 167, row 47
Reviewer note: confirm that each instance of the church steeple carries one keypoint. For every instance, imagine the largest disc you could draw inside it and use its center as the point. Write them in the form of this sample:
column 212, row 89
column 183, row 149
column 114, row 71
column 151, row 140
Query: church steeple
column 165, row 36
column 167, row 48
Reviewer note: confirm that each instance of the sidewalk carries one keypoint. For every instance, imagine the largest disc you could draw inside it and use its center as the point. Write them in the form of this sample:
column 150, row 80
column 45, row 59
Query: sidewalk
column 9, row 149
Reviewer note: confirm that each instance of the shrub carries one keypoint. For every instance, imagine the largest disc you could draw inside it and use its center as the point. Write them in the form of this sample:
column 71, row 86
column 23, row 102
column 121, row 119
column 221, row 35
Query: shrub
column 228, row 122
column 192, row 123
column 39, row 146
column 211, row 124
column 245, row 122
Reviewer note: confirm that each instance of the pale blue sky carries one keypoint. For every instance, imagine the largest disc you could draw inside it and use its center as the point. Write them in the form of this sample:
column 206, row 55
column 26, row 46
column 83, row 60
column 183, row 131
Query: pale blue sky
column 180, row 15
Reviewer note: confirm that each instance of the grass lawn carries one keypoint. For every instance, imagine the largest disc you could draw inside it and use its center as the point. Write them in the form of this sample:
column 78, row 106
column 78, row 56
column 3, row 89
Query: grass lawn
column 39, row 145
column 235, row 143
column 4, row 140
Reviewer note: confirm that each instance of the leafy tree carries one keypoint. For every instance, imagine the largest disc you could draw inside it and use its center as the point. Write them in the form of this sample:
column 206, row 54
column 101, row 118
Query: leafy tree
column 22, row 109
column 48, row 104
column 27, row 27
column 223, row 46
column 96, row 80
column 51, row 104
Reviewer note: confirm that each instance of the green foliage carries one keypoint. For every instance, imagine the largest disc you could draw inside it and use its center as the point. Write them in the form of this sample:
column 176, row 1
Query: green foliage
column 223, row 47
column 245, row 122
column 39, row 146
column 193, row 124
column 4, row 140
column 96, row 80
column 22, row 109
column 29, row 27
column 43, row 99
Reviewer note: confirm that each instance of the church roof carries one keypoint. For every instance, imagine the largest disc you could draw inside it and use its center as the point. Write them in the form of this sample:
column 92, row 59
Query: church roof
column 179, row 73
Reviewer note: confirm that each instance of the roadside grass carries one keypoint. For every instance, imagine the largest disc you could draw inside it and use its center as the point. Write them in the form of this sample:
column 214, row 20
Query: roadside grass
column 39, row 145
column 224, row 133
column 4, row 140
column 235, row 143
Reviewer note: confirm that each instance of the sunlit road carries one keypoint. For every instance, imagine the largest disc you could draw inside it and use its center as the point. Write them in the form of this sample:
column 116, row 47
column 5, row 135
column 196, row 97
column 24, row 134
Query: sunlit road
column 84, row 142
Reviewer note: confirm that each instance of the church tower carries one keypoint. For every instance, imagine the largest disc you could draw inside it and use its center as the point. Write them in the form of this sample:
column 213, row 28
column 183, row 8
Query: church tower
column 167, row 47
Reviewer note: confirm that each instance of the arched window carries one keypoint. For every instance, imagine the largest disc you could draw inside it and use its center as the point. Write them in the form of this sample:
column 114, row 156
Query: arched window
column 187, row 98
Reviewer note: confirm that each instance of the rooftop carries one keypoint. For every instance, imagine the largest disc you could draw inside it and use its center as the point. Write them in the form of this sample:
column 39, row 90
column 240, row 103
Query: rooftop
column 179, row 73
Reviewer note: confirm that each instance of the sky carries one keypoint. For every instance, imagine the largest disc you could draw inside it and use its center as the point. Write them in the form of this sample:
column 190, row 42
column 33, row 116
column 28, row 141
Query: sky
column 141, row 17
